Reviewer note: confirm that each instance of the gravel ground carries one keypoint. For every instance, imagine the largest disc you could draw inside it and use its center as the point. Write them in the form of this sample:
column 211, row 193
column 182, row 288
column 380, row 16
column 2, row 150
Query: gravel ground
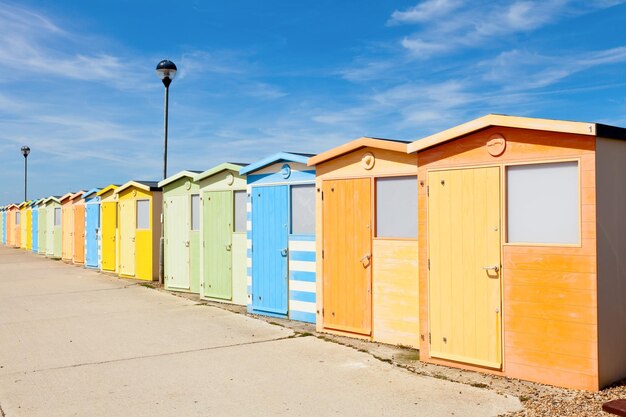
column 571, row 403
column 539, row 400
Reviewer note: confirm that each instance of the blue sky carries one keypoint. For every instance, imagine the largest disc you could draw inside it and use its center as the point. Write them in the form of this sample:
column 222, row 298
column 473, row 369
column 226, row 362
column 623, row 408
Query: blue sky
column 78, row 83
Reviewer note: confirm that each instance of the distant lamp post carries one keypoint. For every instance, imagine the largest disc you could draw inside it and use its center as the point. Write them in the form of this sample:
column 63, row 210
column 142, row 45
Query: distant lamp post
column 25, row 152
column 166, row 70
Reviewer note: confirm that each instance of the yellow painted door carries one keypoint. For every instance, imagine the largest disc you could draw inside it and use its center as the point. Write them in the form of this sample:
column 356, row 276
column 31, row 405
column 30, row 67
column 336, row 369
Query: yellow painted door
column 347, row 246
column 464, row 256
column 127, row 237
column 108, row 224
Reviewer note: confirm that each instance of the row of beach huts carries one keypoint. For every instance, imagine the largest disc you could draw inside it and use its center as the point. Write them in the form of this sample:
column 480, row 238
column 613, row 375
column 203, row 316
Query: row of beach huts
column 498, row 245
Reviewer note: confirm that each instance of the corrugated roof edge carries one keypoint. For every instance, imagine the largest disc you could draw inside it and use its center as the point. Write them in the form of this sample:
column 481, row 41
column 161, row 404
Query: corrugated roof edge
column 144, row 185
column 551, row 125
column 182, row 174
column 219, row 168
column 362, row 142
column 274, row 158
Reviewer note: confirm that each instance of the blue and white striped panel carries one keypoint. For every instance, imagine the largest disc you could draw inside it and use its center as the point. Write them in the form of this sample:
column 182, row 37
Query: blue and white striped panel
column 302, row 287
column 249, row 246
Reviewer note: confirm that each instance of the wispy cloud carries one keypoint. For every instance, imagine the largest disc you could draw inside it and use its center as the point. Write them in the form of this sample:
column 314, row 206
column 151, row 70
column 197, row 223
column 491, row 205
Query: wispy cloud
column 34, row 44
column 424, row 11
column 449, row 25
column 521, row 70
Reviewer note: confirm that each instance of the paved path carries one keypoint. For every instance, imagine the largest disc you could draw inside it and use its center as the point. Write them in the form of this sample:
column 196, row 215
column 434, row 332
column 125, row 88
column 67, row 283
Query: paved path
column 75, row 342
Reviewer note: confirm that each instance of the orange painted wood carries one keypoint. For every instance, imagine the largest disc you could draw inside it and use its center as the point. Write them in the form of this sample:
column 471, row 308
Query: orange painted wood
column 390, row 145
column 387, row 162
column 347, row 255
column 79, row 234
column 396, row 292
column 549, row 287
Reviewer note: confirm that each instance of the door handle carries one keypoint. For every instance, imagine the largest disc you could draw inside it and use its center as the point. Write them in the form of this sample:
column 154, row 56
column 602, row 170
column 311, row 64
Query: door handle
column 494, row 268
column 228, row 246
column 284, row 252
column 365, row 260
column 186, row 243
column 132, row 239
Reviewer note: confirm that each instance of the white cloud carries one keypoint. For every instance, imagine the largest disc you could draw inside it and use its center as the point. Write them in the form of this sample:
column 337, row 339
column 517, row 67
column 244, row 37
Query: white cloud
column 34, row 44
column 518, row 69
column 480, row 25
column 424, row 11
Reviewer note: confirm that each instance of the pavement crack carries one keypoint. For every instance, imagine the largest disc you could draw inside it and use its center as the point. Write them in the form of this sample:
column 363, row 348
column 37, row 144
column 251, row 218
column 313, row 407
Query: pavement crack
column 157, row 355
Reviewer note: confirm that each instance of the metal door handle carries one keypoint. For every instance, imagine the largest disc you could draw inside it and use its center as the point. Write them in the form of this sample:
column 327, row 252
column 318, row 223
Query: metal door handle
column 494, row 268
column 284, row 252
column 186, row 243
column 132, row 239
column 365, row 259
column 228, row 246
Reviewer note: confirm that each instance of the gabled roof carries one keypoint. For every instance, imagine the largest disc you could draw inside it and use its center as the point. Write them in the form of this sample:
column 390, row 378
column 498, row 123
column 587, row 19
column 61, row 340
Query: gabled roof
column 176, row 177
column 562, row 126
column 107, row 189
column 387, row 144
column 66, row 196
column 143, row 185
column 232, row 166
column 92, row 191
column 77, row 195
column 52, row 198
column 277, row 157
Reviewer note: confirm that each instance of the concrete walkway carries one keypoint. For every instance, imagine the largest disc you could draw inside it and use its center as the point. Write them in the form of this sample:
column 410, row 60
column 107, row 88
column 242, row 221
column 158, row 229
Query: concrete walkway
column 75, row 342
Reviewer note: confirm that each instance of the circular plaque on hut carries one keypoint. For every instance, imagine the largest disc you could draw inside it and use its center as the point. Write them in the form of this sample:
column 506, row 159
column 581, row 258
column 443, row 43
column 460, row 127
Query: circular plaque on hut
column 496, row 145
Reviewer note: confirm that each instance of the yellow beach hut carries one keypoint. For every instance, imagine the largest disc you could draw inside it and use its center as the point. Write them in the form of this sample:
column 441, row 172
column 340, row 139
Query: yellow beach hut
column 108, row 228
column 24, row 226
column 140, row 205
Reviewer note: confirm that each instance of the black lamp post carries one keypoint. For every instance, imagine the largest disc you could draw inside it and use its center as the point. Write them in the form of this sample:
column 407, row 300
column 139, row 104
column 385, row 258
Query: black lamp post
column 166, row 70
column 25, row 152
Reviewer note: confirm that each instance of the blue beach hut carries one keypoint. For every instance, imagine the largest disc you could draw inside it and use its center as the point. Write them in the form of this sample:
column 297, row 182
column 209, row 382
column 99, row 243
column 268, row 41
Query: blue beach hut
column 281, row 236
column 92, row 228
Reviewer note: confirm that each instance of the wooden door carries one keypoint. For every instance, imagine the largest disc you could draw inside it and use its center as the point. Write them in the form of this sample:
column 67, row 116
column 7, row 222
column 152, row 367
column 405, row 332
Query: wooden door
column 127, row 237
column 347, row 246
column 67, row 231
column 177, row 227
column 79, row 234
column 270, row 229
column 109, row 227
column 92, row 224
column 217, row 237
column 35, row 230
column 42, row 230
column 464, row 253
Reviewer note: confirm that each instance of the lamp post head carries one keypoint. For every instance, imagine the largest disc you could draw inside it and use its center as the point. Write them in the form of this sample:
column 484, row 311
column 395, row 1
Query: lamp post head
column 166, row 71
column 25, row 151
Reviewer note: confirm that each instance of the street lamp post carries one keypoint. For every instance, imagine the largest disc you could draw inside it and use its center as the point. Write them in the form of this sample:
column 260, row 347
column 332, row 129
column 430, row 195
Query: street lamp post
column 166, row 71
column 25, row 152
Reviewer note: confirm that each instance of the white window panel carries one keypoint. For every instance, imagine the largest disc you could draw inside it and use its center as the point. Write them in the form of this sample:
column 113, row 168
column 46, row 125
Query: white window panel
column 396, row 207
column 543, row 203
column 195, row 212
column 303, row 209
column 240, row 211
column 57, row 216
column 143, row 214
